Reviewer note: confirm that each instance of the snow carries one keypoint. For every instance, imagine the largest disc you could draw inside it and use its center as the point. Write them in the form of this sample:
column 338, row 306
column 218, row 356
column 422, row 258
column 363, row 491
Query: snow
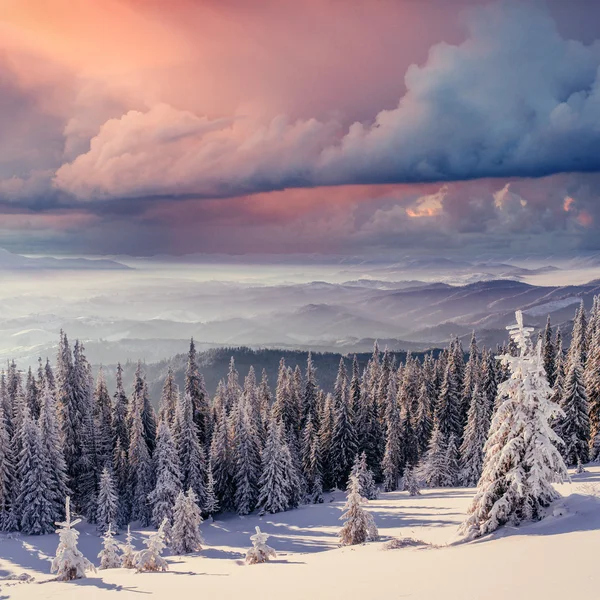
column 553, row 559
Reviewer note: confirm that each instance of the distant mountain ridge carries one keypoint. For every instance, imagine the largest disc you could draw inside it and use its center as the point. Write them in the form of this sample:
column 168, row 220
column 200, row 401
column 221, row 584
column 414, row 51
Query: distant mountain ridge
column 15, row 262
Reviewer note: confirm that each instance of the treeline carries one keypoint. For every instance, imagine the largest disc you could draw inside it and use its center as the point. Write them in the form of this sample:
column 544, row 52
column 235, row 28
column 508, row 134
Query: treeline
column 251, row 446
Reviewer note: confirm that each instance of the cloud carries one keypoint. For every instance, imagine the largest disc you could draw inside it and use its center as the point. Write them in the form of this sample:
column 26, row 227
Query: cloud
column 514, row 99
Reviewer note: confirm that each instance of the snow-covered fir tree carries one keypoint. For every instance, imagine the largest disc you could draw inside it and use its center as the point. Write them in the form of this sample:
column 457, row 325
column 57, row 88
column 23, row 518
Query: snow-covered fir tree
column 120, row 412
column 447, row 412
column 110, row 555
column 190, row 452
column 366, row 481
column 273, row 484
column 424, row 416
column 185, row 534
column 128, row 556
column 434, row 466
column 222, row 461
column 392, row 458
column 140, row 466
column 573, row 426
column 359, row 526
column 103, row 422
column 150, row 558
column 548, row 352
column 521, row 459
column 121, row 475
column 246, row 454
column 108, row 503
column 7, row 473
column 475, row 435
column 51, row 440
column 343, row 436
column 410, row 482
column 69, row 563
column 36, row 496
column 168, row 476
column 168, row 399
column 260, row 552
column 592, row 388
column 211, row 506
column 196, row 390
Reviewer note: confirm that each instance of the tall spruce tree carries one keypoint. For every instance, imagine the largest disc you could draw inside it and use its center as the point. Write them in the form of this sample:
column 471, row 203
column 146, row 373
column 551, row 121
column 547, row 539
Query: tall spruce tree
column 168, row 476
column 521, row 460
column 196, row 389
column 36, row 497
column 120, row 419
column 343, row 437
column 57, row 470
column 108, row 503
column 476, row 431
column 192, row 461
column 222, row 462
column 168, row 399
column 273, row 489
column 574, row 426
column 246, row 456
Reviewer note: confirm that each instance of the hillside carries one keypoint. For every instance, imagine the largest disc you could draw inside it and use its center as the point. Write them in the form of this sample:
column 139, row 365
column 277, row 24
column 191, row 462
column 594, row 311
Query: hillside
column 553, row 559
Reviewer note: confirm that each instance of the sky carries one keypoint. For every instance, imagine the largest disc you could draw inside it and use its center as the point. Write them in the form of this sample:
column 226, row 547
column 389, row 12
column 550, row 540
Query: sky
column 362, row 127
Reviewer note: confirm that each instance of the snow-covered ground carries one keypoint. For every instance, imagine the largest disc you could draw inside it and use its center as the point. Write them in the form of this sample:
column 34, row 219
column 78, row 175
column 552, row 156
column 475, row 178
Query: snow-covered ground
column 551, row 559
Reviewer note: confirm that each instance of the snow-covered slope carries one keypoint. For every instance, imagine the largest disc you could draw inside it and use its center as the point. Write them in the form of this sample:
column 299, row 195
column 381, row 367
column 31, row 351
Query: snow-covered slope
column 552, row 559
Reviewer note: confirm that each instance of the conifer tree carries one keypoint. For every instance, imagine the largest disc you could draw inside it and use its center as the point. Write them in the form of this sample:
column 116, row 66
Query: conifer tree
column 592, row 388
column 211, row 506
column 359, row 526
column 69, row 563
column 424, row 420
column 168, row 476
column 168, row 399
column 392, row 458
column 273, row 490
column 195, row 388
column 409, row 443
column 150, row 559
column 309, row 403
column 121, row 473
column 366, row 482
column 120, row 413
column 260, row 552
column 7, row 474
column 185, row 536
column 410, row 482
column 434, row 467
column 548, row 352
column 311, row 463
column 448, row 411
column 140, row 467
column 246, row 453
column 141, row 399
column 49, row 431
column 128, row 556
column 343, row 437
column 232, row 386
column 222, row 462
column 574, row 426
column 325, row 436
column 476, row 431
column 32, row 395
column 103, row 422
column 521, row 459
column 452, row 462
column 471, row 377
column 36, row 498
column 191, row 455
column 109, row 555
column 108, row 503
